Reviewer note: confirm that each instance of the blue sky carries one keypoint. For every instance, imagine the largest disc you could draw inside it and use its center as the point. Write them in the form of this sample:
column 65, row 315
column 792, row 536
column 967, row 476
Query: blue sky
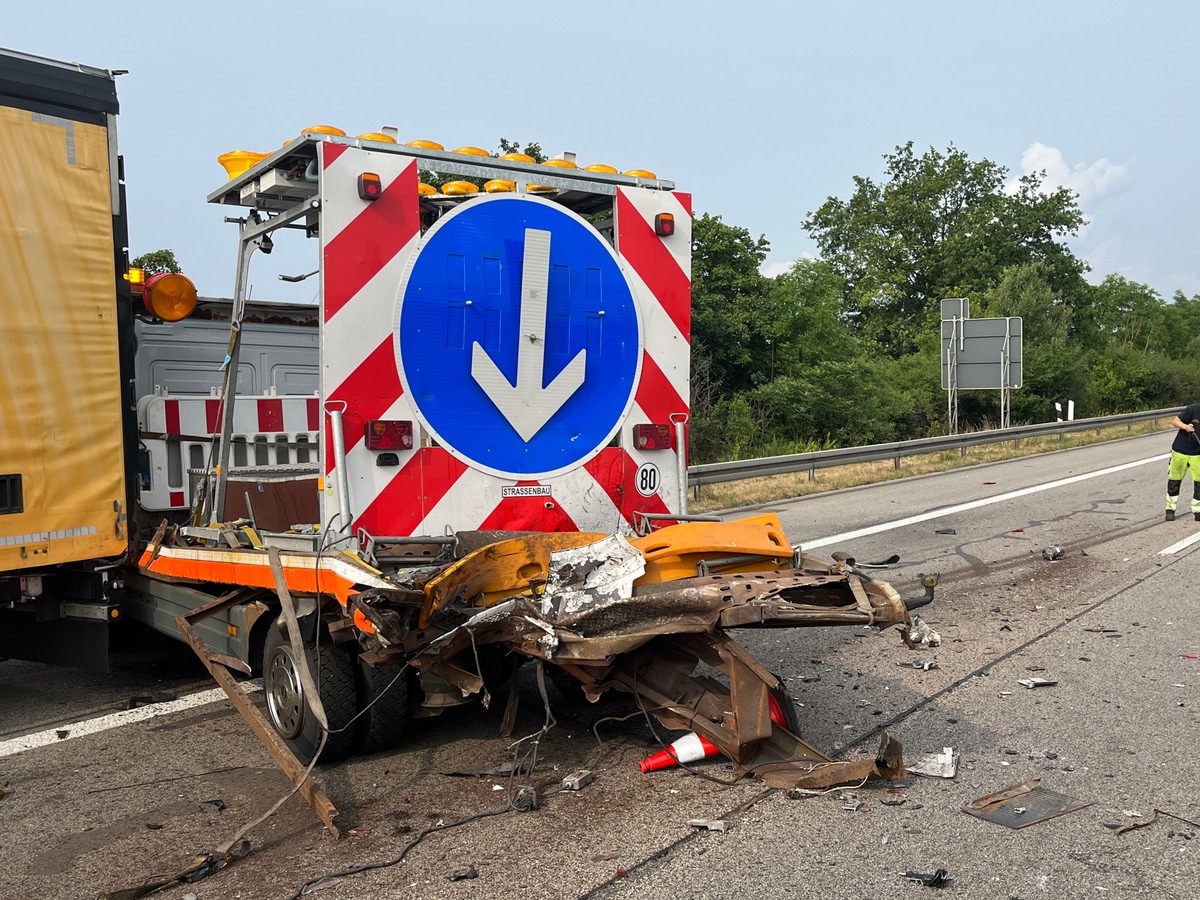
column 760, row 109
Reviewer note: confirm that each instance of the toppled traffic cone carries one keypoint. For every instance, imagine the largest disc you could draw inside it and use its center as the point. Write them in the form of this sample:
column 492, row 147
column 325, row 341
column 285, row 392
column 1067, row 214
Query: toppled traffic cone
column 692, row 746
column 688, row 748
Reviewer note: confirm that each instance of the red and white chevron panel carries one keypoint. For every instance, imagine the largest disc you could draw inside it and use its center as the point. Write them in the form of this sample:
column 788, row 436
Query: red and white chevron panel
column 173, row 427
column 366, row 247
column 201, row 416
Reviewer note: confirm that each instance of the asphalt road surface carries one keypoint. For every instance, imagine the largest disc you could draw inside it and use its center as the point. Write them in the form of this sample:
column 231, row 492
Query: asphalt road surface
column 1113, row 623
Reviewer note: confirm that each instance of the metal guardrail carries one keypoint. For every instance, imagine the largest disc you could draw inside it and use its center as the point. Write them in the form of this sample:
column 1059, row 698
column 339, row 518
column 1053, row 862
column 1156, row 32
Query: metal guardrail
column 736, row 470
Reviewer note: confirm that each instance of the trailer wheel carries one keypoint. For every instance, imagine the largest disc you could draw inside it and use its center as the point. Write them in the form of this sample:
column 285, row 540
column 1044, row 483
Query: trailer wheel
column 333, row 669
column 384, row 718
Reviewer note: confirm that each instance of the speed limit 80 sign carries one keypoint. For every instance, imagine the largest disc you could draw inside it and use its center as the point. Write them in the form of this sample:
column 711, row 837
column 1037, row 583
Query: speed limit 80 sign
column 647, row 479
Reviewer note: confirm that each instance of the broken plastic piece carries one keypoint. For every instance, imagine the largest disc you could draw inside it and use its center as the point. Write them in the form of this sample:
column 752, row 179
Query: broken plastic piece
column 709, row 824
column 922, row 664
column 1036, row 682
column 1055, row 552
column 937, row 765
column 940, row 878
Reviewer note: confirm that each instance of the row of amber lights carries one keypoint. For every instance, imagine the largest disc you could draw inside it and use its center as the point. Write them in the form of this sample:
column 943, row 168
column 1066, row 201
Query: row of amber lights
column 236, row 162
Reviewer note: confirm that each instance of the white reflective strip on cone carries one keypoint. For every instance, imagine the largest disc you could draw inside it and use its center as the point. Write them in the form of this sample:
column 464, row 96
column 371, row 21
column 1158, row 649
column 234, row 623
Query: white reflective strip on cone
column 688, row 748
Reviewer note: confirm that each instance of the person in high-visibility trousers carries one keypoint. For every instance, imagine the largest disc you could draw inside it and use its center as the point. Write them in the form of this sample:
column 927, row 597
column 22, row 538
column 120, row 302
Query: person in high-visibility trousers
column 1185, row 457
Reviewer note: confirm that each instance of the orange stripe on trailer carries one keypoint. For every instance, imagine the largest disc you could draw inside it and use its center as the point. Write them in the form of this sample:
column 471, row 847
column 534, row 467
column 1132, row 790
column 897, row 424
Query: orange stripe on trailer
column 251, row 568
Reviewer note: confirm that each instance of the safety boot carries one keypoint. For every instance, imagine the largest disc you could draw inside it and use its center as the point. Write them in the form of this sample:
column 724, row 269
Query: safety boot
column 1170, row 515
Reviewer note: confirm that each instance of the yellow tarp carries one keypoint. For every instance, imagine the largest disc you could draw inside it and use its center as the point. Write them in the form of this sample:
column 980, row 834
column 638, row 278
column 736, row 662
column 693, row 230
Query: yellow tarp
column 60, row 386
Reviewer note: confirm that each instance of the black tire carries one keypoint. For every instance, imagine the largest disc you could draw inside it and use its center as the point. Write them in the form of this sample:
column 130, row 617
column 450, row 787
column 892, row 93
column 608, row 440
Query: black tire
column 333, row 669
column 384, row 694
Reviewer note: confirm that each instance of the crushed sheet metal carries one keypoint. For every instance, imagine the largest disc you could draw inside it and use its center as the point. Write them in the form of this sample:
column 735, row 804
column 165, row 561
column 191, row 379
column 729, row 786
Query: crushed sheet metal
column 582, row 577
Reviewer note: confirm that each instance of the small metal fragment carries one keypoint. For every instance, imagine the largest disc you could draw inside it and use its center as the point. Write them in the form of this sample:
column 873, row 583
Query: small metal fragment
column 1036, row 682
column 578, row 779
column 709, row 824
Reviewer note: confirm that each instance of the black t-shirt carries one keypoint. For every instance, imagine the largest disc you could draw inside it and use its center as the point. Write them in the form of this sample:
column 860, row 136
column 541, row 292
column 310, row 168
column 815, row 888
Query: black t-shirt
column 1185, row 441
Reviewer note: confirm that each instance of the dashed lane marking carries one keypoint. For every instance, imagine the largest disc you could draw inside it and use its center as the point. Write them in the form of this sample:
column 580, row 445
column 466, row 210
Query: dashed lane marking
column 73, row 730
column 976, row 504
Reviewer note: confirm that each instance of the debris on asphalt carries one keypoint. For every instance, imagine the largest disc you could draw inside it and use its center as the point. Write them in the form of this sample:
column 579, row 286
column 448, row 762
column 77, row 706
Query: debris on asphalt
column 503, row 769
column 923, row 664
column 945, row 531
column 156, row 697
column 937, row 879
column 212, row 806
column 919, row 634
column 578, row 780
column 464, row 874
column 937, row 765
column 1023, row 804
column 1036, row 682
column 1053, row 553
column 62, row 733
column 1130, row 826
column 882, row 564
column 201, row 867
column 709, row 824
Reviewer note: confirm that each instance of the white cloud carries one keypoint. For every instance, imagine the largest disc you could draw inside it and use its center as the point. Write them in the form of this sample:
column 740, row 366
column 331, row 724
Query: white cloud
column 1090, row 180
column 776, row 269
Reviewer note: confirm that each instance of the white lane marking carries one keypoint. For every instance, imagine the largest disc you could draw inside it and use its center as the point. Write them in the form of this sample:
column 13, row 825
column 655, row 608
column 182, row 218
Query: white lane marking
column 116, row 720
column 976, row 504
column 1180, row 545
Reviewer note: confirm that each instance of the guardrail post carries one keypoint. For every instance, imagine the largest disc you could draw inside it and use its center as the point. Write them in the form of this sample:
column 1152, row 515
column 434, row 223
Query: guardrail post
column 896, row 462
column 812, row 474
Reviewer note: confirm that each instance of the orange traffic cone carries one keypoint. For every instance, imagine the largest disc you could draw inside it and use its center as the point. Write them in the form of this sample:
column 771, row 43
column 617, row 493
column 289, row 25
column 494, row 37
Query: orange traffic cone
column 692, row 746
column 688, row 748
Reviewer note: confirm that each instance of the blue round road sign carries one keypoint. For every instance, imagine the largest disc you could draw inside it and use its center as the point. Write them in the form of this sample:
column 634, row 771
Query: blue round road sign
column 519, row 339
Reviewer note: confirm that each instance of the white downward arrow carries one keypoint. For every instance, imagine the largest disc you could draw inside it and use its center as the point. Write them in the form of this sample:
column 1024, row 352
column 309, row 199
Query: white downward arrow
column 527, row 405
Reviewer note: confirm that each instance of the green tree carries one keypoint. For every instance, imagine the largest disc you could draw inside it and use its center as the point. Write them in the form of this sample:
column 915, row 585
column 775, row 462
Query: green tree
column 803, row 319
column 731, row 328
column 941, row 225
column 157, row 261
column 1129, row 313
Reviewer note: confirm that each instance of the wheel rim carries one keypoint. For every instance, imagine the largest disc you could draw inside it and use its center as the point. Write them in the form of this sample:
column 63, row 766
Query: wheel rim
column 285, row 696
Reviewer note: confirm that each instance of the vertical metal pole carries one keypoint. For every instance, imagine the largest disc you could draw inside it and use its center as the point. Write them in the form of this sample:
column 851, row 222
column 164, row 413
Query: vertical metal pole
column 335, row 408
column 229, row 385
column 681, row 461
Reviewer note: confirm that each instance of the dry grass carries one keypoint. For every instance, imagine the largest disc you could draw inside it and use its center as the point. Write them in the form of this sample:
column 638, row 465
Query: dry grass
column 751, row 491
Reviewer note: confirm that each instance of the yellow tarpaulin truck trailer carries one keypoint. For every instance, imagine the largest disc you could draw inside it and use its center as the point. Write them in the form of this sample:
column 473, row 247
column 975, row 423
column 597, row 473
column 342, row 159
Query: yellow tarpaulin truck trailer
column 67, row 428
